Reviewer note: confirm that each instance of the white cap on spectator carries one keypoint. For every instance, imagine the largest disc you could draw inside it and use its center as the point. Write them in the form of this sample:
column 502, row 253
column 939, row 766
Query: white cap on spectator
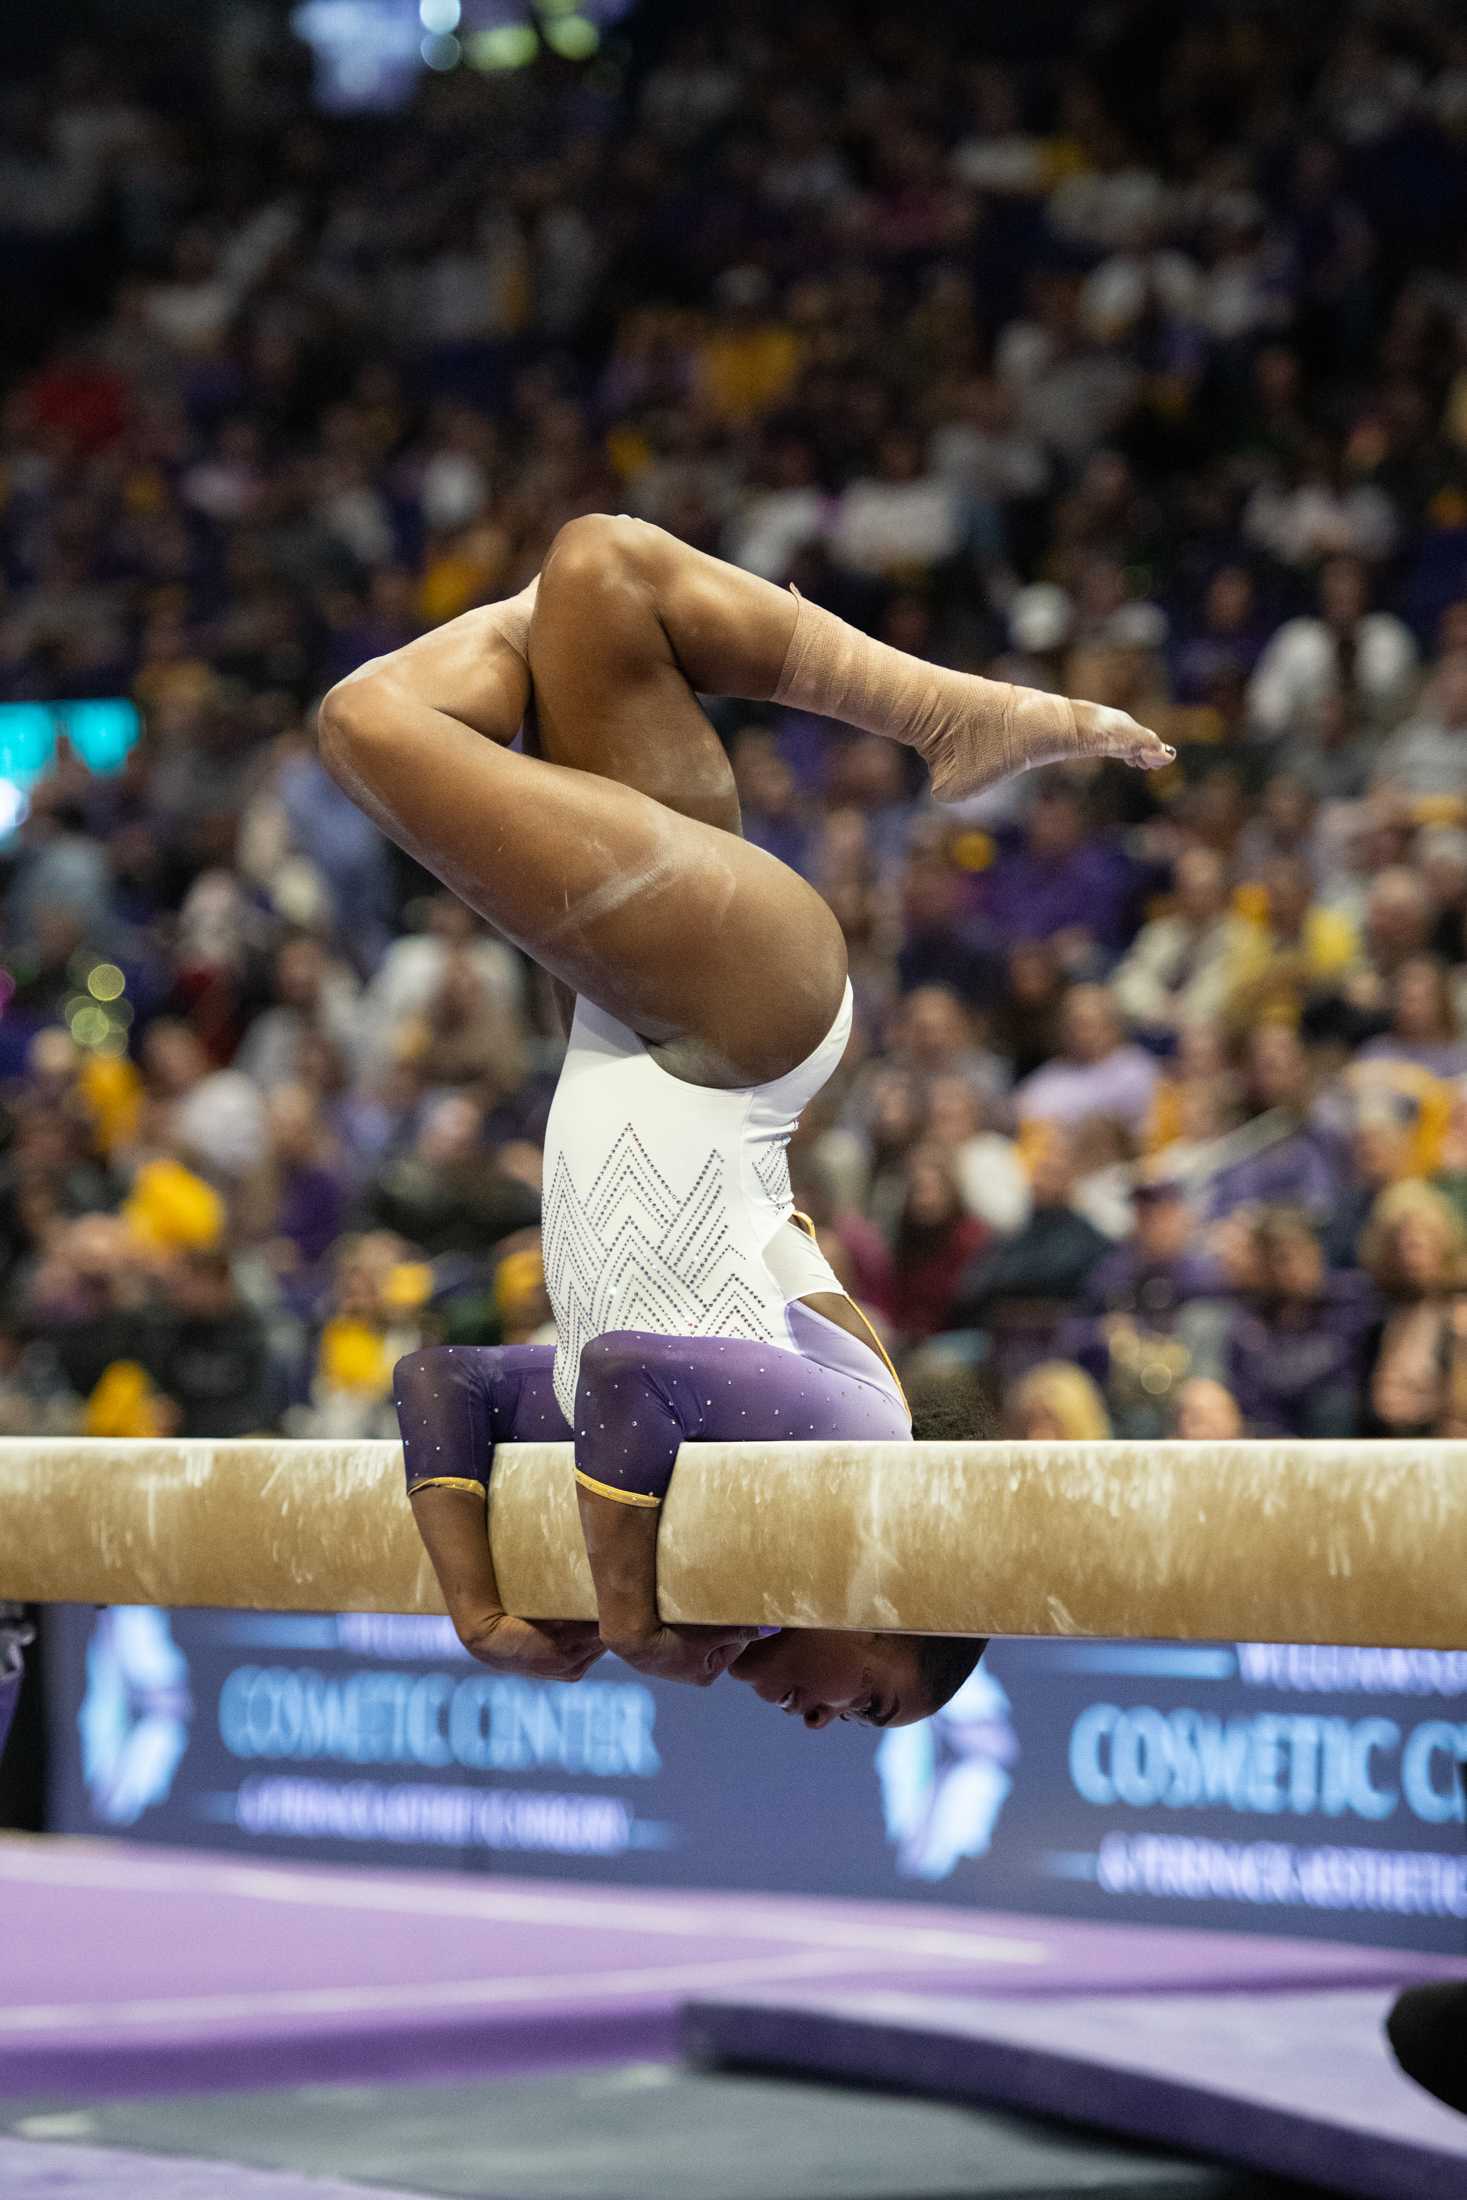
column 1136, row 626
column 1041, row 617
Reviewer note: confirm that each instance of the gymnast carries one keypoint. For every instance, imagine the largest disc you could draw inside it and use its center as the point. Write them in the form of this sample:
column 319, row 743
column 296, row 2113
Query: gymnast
column 706, row 990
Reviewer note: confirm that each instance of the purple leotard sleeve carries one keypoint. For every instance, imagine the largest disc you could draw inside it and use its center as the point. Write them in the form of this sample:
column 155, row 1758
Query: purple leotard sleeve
column 641, row 1396
column 456, row 1402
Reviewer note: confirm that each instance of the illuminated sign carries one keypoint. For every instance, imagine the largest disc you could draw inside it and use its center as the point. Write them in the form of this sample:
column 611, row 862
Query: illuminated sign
column 1257, row 1786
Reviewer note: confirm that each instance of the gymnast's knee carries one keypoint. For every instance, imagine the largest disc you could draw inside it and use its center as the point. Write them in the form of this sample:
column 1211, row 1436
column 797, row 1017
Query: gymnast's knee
column 353, row 717
column 616, row 1356
column 422, row 1375
column 602, row 558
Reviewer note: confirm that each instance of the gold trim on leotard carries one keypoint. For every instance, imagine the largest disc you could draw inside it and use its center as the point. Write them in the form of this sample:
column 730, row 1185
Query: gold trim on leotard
column 447, row 1482
column 864, row 1319
column 618, row 1497
column 804, row 1223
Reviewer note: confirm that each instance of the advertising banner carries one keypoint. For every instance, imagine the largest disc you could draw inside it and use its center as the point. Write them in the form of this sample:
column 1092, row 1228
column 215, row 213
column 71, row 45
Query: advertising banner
column 1250, row 1786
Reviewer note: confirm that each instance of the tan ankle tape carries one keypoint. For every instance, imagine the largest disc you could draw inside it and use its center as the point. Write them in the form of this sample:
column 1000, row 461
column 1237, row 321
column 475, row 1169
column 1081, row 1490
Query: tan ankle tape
column 1038, row 728
column 835, row 671
column 971, row 731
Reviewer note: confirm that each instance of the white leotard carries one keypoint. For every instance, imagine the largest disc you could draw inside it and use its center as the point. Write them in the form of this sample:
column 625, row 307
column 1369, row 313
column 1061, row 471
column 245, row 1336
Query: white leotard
column 667, row 1205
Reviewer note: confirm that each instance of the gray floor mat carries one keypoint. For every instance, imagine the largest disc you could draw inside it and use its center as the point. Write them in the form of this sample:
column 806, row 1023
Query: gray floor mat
column 645, row 2132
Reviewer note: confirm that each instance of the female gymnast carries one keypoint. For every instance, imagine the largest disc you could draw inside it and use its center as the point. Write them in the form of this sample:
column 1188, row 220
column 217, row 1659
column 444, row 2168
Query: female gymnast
column 709, row 1002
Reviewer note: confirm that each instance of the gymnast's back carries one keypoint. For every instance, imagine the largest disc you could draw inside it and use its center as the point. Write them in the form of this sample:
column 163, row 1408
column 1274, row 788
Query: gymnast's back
column 667, row 1205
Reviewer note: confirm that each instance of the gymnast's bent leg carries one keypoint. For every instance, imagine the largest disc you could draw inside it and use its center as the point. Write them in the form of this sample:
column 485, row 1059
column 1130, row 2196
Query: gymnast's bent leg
column 669, row 923
column 730, row 633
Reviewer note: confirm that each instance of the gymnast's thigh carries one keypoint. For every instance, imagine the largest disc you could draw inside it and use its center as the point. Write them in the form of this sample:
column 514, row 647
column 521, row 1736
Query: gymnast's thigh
column 641, row 1395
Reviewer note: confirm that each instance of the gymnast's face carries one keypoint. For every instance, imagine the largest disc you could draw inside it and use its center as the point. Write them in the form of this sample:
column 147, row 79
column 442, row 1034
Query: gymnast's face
column 818, row 1675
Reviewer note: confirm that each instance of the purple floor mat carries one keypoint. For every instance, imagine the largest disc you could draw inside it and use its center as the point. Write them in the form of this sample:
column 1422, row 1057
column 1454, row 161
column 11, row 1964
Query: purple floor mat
column 43, row 2171
column 137, row 1970
column 1299, row 2084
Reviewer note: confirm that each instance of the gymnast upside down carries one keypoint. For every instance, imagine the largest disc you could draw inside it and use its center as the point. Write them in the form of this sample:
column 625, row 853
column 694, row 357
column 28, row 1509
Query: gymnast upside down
column 710, row 1003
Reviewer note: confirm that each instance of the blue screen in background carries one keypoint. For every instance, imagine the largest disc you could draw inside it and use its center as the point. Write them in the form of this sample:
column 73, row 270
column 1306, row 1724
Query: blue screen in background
column 100, row 731
column 1242, row 1785
column 370, row 54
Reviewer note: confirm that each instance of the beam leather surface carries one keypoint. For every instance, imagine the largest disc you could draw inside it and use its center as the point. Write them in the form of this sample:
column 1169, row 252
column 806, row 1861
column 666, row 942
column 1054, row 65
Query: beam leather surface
column 1298, row 1542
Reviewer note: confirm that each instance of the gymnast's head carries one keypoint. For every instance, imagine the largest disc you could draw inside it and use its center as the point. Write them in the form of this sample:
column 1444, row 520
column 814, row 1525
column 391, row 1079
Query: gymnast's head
column 819, row 1675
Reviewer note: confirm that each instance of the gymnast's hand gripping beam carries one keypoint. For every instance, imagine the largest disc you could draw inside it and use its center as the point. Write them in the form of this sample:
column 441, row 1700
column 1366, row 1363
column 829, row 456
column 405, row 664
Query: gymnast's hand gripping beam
column 1329, row 1542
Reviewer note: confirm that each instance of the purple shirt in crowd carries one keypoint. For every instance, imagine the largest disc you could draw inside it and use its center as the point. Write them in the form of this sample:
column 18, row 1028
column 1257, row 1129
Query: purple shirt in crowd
column 1297, row 1368
column 1121, row 1084
column 1029, row 897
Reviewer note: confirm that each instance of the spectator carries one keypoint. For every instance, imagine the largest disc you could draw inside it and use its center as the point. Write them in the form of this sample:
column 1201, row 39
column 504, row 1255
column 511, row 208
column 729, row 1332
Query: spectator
column 449, row 1195
column 934, row 1037
column 899, row 521
column 1181, row 965
column 1281, row 1155
column 1347, row 650
column 1097, row 1071
column 214, row 1118
column 463, row 1037
column 305, row 1198
column 1151, row 1310
column 991, row 1178
column 1296, row 1359
column 372, row 1317
column 1060, row 884
column 1206, row 1412
column 1295, row 950
column 1416, row 1250
column 1424, row 1030
column 1056, row 1403
column 935, row 1240
column 1025, row 1283
column 1381, row 1154
column 413, row 967
column 208, row 1354
column 1427, row 757
column 312, row 995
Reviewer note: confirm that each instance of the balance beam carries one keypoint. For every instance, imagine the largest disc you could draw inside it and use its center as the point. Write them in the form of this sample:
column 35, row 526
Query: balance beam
column 1285, row 1542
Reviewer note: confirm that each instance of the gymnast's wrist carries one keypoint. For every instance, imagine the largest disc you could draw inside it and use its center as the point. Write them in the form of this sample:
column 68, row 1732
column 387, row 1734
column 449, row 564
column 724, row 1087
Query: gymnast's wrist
column 476, row 1628
column 627, row 1625
column 631, row 1645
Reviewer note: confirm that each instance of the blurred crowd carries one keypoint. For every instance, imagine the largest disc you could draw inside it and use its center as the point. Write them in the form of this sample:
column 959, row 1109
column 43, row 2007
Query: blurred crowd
column 1124, row 354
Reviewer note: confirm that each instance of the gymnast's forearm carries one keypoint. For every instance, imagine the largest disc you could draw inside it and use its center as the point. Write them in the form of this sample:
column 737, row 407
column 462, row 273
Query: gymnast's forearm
column 621, row 1546
column 451, row 1522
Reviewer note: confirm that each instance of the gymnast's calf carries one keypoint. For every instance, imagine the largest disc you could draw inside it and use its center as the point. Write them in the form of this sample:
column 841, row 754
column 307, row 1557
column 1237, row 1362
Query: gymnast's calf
column 708, row 1001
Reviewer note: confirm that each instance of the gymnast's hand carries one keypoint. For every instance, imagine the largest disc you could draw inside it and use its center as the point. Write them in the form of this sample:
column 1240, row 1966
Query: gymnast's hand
column 696, row 1655
column 541, row 1649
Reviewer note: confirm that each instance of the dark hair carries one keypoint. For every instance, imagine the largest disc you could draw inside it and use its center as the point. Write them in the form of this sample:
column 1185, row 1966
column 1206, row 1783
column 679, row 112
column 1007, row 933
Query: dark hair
column 944, row 1662
column 950, row 1412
